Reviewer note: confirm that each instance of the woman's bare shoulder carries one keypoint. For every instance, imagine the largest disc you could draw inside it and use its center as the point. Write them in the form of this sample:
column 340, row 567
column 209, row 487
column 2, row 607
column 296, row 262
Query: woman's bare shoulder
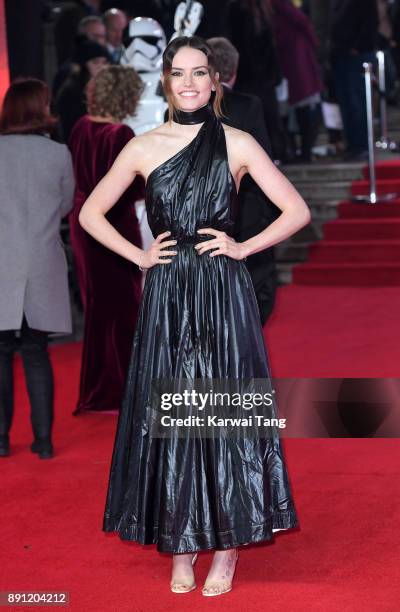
column 143, row 146
column 148, row 142
column 240, row 146
column 235, row 136
column 147, row 139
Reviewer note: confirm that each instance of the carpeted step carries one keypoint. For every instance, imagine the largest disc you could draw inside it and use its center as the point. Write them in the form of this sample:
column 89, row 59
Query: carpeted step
column 347, row 274
column 361, row 247
column 351, row 251
column 362, row 229
column 349, row 210
column 386, row 169
column 325, row 172
column 383, row 186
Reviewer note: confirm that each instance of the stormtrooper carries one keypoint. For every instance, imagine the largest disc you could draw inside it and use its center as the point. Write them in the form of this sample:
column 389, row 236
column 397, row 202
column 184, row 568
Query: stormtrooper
column 144, row 54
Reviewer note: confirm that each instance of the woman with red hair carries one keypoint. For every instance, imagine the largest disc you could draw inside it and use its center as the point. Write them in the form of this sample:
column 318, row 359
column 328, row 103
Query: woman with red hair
column 36, row 186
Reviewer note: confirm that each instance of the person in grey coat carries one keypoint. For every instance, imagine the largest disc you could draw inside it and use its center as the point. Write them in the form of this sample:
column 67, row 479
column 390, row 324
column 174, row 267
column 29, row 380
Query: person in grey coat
column 36, row 191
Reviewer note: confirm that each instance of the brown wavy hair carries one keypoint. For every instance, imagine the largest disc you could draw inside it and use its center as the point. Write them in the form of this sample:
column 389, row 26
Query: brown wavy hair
column 26, row 108
column 115, row 91
column 194, row 42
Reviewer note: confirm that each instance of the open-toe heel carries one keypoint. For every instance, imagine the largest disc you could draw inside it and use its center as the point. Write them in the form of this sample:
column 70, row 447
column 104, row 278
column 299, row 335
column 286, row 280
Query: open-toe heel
column 219, row 587
column 179, row 587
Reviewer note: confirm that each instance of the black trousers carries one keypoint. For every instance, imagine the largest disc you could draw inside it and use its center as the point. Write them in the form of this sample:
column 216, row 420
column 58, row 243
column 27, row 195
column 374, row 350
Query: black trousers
column 32, row 344
column 348, row 75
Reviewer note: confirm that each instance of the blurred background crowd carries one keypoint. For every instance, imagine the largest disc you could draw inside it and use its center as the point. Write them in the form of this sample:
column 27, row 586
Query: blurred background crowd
column 296, row 55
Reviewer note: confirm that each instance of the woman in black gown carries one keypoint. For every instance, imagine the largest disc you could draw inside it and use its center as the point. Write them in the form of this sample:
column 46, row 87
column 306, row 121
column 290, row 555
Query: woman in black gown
column 198, row 320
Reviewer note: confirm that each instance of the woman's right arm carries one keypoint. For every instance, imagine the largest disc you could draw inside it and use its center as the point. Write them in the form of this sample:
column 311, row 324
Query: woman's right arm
column 105, row 195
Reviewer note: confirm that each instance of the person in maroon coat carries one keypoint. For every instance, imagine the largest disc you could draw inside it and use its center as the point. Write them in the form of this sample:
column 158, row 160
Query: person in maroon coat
column 110, row 286
column 297, row 51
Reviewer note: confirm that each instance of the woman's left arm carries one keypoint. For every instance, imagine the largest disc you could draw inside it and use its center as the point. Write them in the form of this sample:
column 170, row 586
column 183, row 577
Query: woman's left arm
column 251, row 157
column 295, row 212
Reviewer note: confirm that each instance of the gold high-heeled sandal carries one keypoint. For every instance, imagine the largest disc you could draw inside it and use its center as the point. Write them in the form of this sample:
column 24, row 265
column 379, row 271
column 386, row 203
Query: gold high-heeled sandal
column 179, row 587
column 217, row 584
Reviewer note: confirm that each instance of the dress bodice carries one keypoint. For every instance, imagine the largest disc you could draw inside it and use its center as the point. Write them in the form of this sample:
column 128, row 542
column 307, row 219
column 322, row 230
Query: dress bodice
column 194, row 188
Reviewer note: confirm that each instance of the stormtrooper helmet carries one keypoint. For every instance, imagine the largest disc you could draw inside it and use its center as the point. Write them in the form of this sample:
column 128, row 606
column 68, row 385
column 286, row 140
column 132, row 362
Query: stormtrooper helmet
column 145, row 45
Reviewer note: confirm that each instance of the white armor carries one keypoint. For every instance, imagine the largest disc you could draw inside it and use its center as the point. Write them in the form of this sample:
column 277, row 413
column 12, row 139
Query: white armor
column 144, row 53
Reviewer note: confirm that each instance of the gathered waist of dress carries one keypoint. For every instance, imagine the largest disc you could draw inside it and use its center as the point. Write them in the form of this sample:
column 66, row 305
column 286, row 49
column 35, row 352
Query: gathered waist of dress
column 190, row 239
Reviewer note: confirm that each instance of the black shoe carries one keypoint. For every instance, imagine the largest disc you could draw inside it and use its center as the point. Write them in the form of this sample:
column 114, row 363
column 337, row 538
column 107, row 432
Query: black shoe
column 4, row 446
column 43, row 448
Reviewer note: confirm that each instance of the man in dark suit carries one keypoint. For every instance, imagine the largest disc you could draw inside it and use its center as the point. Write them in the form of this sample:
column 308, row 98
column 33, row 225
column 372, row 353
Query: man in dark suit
column 256, row 211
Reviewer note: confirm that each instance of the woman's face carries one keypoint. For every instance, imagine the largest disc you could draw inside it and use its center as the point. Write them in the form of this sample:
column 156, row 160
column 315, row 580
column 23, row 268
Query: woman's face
column 95, row 65
column 190, row 80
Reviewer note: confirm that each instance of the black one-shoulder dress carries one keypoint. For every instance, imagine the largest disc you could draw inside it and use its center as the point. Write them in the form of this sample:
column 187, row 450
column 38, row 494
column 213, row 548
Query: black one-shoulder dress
column 198, row 319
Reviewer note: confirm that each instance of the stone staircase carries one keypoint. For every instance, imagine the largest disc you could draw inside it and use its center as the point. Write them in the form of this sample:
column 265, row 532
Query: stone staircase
column 323, row 185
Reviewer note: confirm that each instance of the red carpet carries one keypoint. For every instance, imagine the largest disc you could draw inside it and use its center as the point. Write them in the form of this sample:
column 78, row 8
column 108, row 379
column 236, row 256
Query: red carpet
column 345, row 555
column 362, row 246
